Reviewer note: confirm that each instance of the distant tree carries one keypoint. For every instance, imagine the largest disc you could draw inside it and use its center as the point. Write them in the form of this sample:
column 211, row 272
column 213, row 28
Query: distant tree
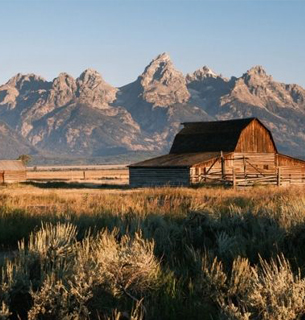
column 25, row 158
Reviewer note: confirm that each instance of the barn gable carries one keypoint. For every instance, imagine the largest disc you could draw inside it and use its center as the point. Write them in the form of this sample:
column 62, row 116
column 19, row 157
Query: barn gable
column 255, row 137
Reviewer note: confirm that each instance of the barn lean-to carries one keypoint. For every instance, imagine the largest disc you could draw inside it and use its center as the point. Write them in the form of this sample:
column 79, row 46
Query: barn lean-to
column 234, row 152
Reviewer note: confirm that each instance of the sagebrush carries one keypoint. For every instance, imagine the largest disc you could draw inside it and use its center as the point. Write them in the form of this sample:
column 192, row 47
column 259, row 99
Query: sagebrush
column 163, row 253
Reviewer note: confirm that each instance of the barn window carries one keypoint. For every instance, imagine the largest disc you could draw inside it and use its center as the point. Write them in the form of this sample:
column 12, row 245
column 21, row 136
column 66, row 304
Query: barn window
column 196, row 171
column 266, row 167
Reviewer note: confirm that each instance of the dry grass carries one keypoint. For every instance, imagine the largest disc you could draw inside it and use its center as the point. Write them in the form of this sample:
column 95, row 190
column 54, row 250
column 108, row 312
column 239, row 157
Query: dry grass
column 90, row 174
column 162, row 253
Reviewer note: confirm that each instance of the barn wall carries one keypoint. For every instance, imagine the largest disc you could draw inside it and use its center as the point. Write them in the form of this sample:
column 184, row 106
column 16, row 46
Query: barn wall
column 252, row 168
column 158, row 176
column 292, row 170
column 283, row 160
column 255, row 138
column 254, row 162
column 12, row 176
column 210, row 169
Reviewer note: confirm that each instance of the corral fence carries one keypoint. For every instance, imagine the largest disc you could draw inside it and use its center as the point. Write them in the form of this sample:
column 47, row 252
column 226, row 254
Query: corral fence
column 240, row 179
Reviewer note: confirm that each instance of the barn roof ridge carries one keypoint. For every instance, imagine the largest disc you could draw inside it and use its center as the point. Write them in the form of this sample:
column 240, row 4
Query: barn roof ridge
column 221, row 121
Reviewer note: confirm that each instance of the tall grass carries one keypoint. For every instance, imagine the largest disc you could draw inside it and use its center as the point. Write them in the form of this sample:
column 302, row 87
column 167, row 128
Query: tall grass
column 155, row 254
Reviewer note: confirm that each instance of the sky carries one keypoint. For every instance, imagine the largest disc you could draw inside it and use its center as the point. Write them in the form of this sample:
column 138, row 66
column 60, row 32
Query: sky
column 119, row 38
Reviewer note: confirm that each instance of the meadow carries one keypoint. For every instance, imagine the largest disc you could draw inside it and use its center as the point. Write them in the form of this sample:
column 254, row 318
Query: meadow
column 97, row 174
column 164, row 253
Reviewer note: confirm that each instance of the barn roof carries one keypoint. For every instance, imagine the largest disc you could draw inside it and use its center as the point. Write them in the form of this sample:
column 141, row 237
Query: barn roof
column 12, row 165
column 178, row 160
column 209, row 136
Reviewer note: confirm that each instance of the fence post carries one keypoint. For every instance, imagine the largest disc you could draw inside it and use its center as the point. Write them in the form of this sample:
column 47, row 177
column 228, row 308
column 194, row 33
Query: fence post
column 278, row 177
column 245, row 167
column 223, row 166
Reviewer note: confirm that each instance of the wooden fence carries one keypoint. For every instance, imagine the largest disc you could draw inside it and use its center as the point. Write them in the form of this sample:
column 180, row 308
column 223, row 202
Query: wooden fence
column 238, row 179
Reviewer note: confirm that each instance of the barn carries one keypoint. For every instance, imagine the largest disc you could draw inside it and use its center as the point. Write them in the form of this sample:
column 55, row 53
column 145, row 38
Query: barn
column 12, row 171
column 237, row 152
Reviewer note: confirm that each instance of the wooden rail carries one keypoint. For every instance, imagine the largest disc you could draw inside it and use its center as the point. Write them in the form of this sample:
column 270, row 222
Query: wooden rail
column 237, row 179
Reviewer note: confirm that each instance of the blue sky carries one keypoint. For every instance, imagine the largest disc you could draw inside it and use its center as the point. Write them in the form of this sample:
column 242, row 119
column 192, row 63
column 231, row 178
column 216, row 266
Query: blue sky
column 119, row 38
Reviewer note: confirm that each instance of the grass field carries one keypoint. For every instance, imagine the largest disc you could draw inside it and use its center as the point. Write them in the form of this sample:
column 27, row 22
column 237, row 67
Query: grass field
column 167, row 253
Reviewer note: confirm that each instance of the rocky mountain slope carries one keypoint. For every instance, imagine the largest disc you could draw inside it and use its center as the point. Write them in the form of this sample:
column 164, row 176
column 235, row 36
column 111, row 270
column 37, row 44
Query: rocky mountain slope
column 70, row 116
column 88, row 117
column 12, row 144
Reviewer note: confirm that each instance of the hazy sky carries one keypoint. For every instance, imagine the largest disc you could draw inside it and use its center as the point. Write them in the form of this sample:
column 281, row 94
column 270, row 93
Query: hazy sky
column 119, row 38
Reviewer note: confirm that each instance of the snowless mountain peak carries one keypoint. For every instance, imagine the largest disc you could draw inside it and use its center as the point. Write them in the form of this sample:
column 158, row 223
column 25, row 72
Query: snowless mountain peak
column 63, row 82
column 157, row 67
column 163, row 57
column 63, row 78
column 162, row 84
column 90, row 71
column 208, row 71
column 64, row 75
column 201, row 74
column 24, row 83
column 20, row 79
column 90, row 76
column 92, row 87
column 257, row 70
column 256, row 76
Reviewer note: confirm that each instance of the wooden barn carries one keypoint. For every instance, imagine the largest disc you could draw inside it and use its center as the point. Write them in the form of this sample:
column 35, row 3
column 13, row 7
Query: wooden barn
column 233, row 152
column 12, row 171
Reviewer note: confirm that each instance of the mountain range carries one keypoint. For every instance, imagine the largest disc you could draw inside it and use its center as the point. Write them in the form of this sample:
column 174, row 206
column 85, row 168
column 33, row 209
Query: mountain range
column 87, row 117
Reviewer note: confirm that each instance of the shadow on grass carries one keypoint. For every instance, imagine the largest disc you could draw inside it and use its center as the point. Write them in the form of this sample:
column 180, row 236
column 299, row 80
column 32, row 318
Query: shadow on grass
column 75, row 185
column 226, row 236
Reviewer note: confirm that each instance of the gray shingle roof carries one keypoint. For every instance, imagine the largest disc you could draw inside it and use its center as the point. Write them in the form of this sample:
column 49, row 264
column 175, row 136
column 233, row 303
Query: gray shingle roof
column 12, row 165
column 178, row 160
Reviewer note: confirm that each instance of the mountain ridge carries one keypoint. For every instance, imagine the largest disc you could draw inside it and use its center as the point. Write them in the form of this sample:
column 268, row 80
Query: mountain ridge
column 86, row 116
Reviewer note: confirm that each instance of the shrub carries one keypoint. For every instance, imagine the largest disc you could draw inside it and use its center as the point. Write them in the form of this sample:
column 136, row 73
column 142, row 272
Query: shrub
column 59, row 274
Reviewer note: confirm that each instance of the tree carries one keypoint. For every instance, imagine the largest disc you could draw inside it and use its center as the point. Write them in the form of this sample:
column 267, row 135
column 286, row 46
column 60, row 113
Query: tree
column 25, row 158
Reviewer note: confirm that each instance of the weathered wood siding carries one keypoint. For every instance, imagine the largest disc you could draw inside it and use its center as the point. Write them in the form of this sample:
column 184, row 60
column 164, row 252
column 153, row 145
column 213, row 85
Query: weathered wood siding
column 283, row 160
column 253, row 162
column 12, row 176
column 292, row 170
column 251, row 166
column 159, row 176
column 245, row 169
column 208, row 171
column 255, row 138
